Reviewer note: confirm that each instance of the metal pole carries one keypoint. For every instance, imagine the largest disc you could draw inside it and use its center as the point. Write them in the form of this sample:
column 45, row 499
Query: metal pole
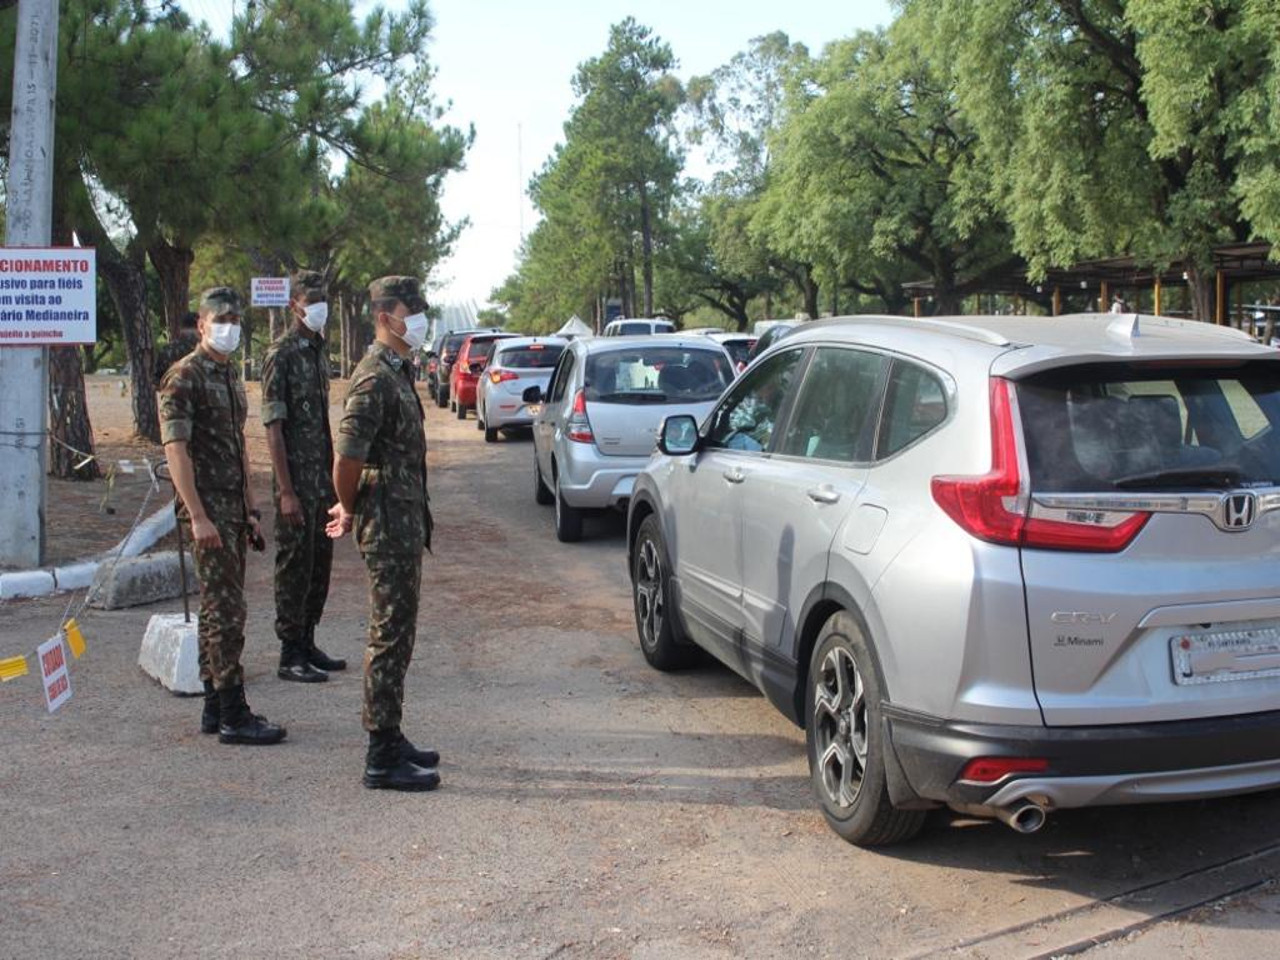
column 24, row 377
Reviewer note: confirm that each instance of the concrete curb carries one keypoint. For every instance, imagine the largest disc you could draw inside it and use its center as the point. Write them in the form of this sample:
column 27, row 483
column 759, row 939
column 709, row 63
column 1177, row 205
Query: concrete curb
column 45, row 582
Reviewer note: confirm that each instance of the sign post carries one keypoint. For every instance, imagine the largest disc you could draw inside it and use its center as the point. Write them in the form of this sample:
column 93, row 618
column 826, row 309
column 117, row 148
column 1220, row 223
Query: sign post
column 24, row 384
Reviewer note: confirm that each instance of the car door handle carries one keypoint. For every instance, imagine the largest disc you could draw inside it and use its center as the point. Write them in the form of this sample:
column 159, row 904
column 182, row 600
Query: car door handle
column 824, row 495
column 735, row 475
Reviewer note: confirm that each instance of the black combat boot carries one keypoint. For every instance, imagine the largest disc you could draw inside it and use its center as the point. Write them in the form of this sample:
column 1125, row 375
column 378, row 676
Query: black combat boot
column 212, row 709
column 419, row 758
column 317, row 657
column 294, row 665
column 240, row 725
column 386, row 769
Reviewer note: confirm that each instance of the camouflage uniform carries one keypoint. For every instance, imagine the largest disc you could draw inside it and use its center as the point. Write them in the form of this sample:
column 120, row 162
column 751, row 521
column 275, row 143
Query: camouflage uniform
column 295, row 390
column 203, row 402
column 173, row 351
column 383, row 426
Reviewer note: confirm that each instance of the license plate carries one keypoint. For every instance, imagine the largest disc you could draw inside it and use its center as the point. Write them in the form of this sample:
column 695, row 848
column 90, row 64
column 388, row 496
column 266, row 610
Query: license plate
column 1230, row 655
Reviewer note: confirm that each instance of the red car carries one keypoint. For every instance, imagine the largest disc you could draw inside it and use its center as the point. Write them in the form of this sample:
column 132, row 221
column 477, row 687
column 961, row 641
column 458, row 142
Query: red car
column 473, row 357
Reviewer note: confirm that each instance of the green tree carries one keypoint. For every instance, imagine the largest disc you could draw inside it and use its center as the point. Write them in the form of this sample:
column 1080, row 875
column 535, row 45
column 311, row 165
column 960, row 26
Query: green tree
column 876, row 175
column 1120, row 126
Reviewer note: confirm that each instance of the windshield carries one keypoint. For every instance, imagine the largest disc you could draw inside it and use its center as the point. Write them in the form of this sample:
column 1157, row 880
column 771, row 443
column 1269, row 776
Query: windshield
column 657, row 375
column 1130, row 427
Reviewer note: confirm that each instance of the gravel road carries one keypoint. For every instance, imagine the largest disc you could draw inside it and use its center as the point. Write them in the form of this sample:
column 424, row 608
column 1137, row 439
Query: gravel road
column 591, row 807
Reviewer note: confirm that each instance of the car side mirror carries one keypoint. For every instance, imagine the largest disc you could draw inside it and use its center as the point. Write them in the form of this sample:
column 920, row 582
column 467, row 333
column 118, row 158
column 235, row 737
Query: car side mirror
column 532, row 395
column 678, row 436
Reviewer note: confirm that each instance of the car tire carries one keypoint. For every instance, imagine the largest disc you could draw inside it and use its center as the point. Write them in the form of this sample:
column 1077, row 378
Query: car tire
column 490, row 434
column 661, row 640
column 845, row 739
column 541, row 495
column 460, row 410
column 568, row 519
column 442, row 397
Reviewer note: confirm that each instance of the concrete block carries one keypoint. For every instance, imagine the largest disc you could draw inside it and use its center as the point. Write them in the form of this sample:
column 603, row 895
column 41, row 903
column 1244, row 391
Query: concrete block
column 139, row 580
column 26, row 583
column 148, row 533
column 75, row 576
column 171, row 653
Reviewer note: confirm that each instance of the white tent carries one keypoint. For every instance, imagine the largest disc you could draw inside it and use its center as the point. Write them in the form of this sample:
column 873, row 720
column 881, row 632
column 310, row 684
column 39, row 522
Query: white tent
column 574, row 327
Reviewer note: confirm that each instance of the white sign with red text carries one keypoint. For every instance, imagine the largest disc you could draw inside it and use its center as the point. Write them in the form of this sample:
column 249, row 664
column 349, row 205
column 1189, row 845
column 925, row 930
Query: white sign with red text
column 48, row 295
column 53, row 671
column 269, row 292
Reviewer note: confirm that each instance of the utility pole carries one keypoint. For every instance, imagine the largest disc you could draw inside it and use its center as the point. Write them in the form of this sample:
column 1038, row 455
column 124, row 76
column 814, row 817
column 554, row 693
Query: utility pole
column 24, row 377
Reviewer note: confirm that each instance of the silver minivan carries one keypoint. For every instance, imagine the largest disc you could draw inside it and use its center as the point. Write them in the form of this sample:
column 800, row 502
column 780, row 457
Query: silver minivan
column 1003, row 564
column 600, row 415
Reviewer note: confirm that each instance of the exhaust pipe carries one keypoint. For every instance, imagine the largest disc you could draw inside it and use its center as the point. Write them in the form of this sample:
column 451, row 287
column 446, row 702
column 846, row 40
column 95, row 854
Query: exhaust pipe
column 1024, row 816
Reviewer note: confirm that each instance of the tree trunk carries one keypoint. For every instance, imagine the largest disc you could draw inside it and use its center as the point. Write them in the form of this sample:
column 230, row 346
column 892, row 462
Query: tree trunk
column 275, row 323
column 69, row 418
column 1201, row 285
column 809, row 287
column 173, row 264
column 126, row 279
column 646, row 249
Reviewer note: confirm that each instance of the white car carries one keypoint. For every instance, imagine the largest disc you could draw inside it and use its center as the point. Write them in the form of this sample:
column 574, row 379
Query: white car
column 517, row 364
column 630, row 328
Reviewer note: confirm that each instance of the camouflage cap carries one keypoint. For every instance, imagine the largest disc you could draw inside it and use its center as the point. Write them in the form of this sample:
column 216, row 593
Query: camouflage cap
column 404, row 289
column 221, row 300
column 308, row 284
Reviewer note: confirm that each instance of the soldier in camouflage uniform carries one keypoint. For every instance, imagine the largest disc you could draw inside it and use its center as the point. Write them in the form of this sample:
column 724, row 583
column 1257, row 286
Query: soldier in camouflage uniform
column 295, row 411
column 381, row 481
column 202, row 415
column 188, row 339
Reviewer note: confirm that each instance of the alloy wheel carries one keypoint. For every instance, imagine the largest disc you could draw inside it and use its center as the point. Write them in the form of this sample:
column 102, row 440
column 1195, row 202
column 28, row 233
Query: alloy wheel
column 840, row 726
column 650, row 605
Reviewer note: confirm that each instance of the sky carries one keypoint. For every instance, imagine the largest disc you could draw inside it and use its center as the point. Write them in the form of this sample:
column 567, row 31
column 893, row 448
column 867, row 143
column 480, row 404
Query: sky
column 506, row 65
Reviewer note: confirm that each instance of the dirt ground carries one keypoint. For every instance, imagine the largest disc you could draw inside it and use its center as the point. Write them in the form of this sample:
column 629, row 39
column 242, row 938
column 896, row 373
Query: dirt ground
column 591, row 807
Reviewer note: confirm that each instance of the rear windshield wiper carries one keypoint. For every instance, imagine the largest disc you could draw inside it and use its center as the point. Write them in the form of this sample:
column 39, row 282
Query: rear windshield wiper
column 622, row 397
column 1184, row 477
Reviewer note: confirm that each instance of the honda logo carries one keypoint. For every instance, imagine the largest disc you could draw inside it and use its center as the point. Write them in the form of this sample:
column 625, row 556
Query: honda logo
column 1238, row 511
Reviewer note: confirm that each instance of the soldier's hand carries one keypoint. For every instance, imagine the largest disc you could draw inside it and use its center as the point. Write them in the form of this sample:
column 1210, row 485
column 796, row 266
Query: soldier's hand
column 205, row 533
column 291, row 509
column 340, row 523
column 255, row 535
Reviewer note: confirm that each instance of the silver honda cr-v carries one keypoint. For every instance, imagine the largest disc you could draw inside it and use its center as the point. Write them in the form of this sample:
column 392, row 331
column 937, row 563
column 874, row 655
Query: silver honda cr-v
column 1002, row 564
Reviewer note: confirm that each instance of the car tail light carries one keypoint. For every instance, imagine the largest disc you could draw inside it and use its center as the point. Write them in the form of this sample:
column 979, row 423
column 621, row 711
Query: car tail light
column 995, row 507
column 578, row 427
column 501, row 376
column 995, row 769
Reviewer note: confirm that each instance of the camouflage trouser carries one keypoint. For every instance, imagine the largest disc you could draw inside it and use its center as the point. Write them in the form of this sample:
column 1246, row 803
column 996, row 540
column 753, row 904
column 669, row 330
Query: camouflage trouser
column 394, row 583
column 222, row 608
column 304, row 557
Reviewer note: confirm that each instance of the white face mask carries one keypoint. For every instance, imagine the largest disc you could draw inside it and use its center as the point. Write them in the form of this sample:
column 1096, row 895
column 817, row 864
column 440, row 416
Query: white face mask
column 317, row 314
column 415, row 330
column 224, row 337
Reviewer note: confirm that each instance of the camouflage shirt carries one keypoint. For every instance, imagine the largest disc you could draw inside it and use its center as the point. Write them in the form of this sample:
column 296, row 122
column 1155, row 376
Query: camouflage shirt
column 383, row 426
column 173, row 351
column 295, row 390
column 203, row 402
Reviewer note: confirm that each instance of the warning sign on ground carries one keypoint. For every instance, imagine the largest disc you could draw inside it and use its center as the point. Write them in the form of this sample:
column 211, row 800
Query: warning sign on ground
column 269, row 292
column 48, row 295
column 53, row 670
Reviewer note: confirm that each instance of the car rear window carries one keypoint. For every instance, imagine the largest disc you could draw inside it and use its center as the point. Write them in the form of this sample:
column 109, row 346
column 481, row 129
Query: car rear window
column 532, row 357
column 739, row 350
column 481, row 350
column 657, row 375
column 1166, row 427
column 453, row 343
column 627, row 329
